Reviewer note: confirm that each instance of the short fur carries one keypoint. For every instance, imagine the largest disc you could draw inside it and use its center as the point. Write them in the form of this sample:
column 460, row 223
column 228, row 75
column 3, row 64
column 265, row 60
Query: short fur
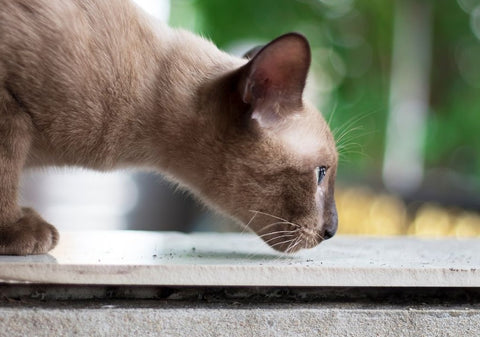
column 98, row 84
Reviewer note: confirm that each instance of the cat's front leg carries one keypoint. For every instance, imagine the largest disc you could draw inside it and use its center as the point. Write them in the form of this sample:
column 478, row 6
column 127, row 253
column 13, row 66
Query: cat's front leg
column 22, row 230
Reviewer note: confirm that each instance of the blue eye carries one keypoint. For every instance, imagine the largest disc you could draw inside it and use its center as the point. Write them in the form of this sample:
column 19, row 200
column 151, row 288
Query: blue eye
column 320, row 173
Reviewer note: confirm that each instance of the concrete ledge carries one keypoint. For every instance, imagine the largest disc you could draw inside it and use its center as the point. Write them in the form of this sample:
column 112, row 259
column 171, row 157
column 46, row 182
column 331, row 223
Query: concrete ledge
column 166, row 259
column 172, row 284
column 184, row 319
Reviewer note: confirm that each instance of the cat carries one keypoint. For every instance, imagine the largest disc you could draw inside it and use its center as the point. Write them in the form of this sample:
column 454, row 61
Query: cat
column 98, row 84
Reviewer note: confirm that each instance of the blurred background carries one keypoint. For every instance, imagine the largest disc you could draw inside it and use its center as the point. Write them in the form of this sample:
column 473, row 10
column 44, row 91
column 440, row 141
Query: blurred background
column 399, row 83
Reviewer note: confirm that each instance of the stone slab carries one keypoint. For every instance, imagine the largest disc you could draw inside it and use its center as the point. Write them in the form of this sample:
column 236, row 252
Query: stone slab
column 234, row 259
column 232, row 320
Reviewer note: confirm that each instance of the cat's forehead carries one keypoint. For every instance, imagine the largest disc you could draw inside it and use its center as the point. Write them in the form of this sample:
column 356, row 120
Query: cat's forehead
column 307, row 139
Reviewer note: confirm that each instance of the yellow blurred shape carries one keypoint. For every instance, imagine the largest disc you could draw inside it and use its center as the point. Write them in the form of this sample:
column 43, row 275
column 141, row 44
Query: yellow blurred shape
column 361, row 211
column 353, row 205
column 387, row 216
column 467, row 224
column 431, row 221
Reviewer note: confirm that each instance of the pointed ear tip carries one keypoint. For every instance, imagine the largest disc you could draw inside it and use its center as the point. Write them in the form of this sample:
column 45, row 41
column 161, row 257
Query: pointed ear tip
column 296, row 36
column 299, row 39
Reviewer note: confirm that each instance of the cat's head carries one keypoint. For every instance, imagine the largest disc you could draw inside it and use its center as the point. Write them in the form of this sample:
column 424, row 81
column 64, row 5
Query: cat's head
column 278, row 156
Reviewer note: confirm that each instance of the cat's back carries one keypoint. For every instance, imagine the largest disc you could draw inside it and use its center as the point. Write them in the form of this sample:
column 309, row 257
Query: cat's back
column 43, row 17
column 68, row 25
column 26, row 23
column 72, row 39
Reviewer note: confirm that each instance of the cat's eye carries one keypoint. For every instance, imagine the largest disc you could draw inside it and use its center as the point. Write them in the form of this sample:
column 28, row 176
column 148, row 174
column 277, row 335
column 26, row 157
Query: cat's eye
column 320, row 173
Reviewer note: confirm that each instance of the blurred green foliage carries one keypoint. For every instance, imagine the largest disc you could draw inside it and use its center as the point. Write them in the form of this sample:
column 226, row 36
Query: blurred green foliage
column 352, row 43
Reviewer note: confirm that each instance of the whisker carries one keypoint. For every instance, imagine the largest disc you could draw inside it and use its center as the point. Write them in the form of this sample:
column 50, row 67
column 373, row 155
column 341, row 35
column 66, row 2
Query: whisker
column 345, row 127
column 353, row 152
column 277, row 232
column 282, row 242
column 276, row 223
column 348, row 138
column 250, row 221
column 268, row 214
column 280, row 237
column 334, row 109
column 356, row 118
column 320, row 236
column 293, row 245
column 247, row 225
column 276, row 217
column 348, row 133
column 348, row 146
column 348, row 127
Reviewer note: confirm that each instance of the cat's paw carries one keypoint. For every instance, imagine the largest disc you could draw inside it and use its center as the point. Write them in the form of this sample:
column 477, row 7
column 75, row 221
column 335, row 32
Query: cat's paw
column 29, row 235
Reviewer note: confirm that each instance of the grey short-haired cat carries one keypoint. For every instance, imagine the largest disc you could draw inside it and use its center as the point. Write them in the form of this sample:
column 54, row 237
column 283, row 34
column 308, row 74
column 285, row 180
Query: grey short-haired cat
column 98, row 84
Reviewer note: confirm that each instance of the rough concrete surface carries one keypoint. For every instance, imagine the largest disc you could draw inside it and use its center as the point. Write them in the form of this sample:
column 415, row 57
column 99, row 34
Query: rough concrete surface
column 276, row 320
column 170, row 284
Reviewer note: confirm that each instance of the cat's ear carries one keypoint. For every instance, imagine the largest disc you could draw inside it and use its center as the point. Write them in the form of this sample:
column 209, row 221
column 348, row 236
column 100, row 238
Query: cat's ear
column 273, row 80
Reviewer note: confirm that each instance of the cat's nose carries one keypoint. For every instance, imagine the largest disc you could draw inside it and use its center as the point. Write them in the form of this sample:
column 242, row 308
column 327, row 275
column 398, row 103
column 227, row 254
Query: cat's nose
column 331, row 223
column 328, row 234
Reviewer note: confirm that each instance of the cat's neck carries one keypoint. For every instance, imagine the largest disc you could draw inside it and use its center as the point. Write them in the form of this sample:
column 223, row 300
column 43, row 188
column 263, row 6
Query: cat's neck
column 179, row 112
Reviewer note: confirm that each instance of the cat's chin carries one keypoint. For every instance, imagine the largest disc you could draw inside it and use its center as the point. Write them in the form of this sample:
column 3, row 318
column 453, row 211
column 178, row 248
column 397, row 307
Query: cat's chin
column 293, row 245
